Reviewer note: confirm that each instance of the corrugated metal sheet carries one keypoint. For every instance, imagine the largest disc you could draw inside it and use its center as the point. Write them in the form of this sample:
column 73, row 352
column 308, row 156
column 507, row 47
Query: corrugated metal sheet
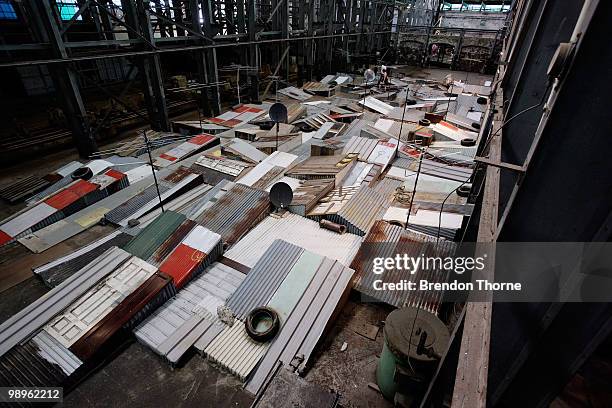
column 243, row 150
column 434, row 168
column 83, row 314
column 235, row 212
column 153, row 235
column 264, row 278
column 376, row 105
column 56, row 272
column 276, row 159
column 196, row 251
column 70, row 226
column 361, row 211
column 17, row 328
column 362, row 146
column 215, row 169
column 172, row 329
column 306, row 323
column 185, row 149
column 298, row 231
column 23, row 366
column 181, row 204
column 171, row 243
column 234, row 351
column 148, row 199
column 308, row 193
column 387, row 240
column 23, row 188
column 295, row 93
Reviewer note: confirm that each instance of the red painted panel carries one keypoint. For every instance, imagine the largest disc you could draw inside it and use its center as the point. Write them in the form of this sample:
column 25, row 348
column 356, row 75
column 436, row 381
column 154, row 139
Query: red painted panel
column 82, row 187
column 62, row 199
column 201, row 139
column 4, row 238
column 448, row 125
column 167, row 157
column 115, row 174
column 181, row 263
column 231, row 122
column 216, row 120
column 254, row 110
column 241, row 109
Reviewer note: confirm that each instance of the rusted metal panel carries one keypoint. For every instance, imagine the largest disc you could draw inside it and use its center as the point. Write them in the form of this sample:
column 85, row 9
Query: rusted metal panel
column 308, row 193
column 235, row 212
column 387, row 240
column 127, row 312
column 362, row 210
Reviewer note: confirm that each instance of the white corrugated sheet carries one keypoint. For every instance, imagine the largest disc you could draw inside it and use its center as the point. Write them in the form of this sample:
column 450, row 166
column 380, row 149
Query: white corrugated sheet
column 276, row 159
column 299, row 231
column 235, row 351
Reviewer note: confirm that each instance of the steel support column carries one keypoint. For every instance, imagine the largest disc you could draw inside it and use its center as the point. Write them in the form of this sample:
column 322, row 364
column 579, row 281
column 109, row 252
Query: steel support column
column 64, row 79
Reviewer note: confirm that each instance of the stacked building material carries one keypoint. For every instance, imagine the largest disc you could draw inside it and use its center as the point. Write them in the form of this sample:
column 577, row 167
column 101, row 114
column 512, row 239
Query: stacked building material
column 75, row 196
column 148, row 199
column 186, row 149
column 386, row 240
column 150, row 238
column 235, row 210
column 249, row 250
column 56, row 272
column 238, row 116
column 214, row 169
column 191, row 315
column 196, row 251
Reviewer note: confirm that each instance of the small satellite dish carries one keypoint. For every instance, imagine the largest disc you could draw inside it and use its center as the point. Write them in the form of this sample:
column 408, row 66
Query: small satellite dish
column 369, row 75
column 281, row 195
column 278, row 112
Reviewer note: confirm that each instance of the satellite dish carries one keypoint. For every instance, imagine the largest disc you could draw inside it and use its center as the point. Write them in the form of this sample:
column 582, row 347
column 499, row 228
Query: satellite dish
column 281, row 194
column 369, row 75
column 278, row 112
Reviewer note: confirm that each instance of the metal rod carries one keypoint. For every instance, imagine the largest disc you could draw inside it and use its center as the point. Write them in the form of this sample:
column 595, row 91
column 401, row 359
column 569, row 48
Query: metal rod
column 144, row 133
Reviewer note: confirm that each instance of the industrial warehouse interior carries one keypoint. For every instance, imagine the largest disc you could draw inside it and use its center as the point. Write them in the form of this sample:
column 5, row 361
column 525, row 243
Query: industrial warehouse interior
column 306, row 203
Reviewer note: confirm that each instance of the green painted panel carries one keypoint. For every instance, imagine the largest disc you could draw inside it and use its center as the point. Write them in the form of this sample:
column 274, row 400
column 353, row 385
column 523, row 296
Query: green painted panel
column 153, row 235
column 295, row 283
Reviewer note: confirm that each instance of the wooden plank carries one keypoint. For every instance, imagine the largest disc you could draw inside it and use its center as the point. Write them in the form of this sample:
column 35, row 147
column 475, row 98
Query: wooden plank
column 473, row 365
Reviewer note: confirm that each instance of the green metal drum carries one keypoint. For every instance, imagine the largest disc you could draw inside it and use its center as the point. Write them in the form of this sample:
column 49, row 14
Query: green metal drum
column 414, row 341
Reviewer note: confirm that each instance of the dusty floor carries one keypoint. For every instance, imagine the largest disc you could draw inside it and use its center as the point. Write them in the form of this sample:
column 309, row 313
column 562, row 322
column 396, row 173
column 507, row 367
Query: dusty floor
column 348, row 372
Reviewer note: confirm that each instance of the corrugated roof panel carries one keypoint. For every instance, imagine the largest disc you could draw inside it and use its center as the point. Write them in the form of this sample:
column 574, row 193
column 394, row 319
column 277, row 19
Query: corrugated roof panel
column 235, row 212
column 363, row 146
column 387, row 240
column 295, row 283
column 361, row 210
column 305, row 325
column 235, row 351
column 264, row 278
column 54, row 273
column 311, row 237
column 153, row 235
column 171, row 243
column 18, row 327
column 90, row 308
column 23, row 366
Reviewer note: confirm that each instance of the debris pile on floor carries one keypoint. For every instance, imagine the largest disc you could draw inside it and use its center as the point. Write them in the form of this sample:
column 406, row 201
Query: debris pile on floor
column 204, row 257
